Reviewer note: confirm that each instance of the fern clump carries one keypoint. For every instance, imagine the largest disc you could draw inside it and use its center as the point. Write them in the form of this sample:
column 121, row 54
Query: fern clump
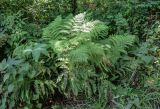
column 81, row 43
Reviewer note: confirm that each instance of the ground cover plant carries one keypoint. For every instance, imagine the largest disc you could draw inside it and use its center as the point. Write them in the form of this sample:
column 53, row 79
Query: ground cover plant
column 80, row 54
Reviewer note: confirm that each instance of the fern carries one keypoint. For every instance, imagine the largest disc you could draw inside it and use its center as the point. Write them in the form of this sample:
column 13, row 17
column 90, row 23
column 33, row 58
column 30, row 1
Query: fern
column 45, row 87
column 79, row 55
column 99, row 31
column 56, row 29
column 117, row 45
column 78, row 43
column 69, row 27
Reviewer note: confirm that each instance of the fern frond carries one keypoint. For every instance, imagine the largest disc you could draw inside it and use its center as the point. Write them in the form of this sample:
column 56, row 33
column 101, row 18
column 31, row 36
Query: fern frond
column 99, row 31
column 58, row 28
column 44, row 87
column 118, row 45
column 68, row 27
column 95, row 52
column 81, row 25
column 79, row 55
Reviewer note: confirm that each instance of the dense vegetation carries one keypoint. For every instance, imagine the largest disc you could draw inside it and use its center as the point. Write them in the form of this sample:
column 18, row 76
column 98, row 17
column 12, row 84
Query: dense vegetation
column 92, row 54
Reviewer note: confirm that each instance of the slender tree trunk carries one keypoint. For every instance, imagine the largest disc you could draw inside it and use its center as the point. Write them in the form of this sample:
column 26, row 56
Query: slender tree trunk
column 74, row 6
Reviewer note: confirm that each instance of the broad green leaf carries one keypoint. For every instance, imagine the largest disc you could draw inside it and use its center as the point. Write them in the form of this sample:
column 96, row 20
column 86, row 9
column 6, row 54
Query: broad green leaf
column 6, row 76
column 10, row 88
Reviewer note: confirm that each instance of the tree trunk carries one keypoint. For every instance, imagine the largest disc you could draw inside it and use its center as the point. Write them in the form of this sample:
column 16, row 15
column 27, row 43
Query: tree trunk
column 74, row 6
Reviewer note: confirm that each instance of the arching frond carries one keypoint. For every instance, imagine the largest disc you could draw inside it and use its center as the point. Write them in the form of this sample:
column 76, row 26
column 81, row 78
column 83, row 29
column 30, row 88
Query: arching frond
column 118, row 45
column 79, row 55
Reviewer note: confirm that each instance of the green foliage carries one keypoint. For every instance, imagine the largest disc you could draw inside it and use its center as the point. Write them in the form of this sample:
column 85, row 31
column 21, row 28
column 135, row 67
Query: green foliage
column 113, row 64
column 24, row 83
column 38, row 11
column 80, row 55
